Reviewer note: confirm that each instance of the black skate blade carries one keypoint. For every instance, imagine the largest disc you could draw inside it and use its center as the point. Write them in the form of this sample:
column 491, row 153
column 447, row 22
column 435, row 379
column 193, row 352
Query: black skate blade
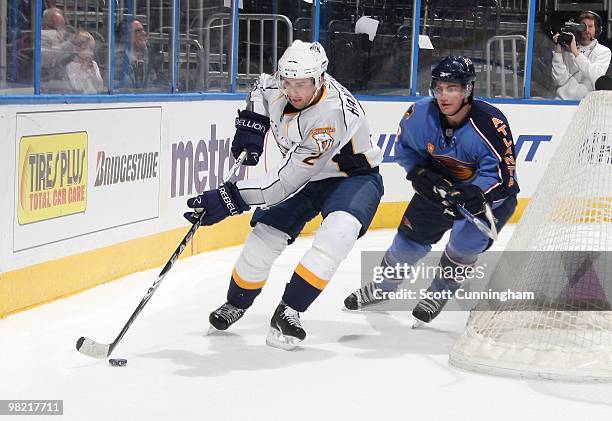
column 92, row 348
column 275, row 339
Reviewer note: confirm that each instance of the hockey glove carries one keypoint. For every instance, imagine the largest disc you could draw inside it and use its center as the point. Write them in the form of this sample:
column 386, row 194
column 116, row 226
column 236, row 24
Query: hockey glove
column 216, row 204
column 426, row 182
column 470, row 196
column 251, row 130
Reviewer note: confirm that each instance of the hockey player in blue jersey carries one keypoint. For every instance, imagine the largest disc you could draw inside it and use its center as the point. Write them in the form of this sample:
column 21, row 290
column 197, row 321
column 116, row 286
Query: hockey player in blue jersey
column 462, row 147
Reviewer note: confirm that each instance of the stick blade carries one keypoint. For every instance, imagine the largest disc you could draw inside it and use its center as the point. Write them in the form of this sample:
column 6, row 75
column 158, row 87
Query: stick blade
column 92, row 348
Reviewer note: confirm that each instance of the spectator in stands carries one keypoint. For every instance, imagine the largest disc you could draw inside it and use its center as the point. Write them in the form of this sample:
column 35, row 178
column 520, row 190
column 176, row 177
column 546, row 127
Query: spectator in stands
column 83, row 72
column 137, row 66
column 56, row 49
column 575, row 68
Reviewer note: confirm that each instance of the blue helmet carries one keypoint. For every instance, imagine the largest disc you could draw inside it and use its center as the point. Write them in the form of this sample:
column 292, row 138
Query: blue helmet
column 454, row 69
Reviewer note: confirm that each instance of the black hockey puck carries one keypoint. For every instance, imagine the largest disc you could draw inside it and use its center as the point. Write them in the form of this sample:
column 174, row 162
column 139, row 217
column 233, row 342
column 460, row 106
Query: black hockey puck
column 117, row 362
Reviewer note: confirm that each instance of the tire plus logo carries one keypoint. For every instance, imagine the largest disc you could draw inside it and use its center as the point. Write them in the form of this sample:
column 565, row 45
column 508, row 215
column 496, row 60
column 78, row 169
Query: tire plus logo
column 53, row 176
column 125, row 168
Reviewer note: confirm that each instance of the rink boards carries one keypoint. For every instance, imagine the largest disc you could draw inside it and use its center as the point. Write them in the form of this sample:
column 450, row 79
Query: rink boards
column 92, row 192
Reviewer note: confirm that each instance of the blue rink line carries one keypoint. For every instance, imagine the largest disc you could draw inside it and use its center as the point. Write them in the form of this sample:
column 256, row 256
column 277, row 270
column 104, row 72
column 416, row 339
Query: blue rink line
column 227, row 96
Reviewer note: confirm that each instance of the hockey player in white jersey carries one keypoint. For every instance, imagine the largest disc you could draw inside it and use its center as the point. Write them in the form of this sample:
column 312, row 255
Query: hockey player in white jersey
column 329, row 166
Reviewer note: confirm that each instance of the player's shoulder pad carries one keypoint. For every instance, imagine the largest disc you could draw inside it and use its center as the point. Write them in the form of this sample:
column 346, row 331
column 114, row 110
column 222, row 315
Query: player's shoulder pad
column 490, row 121
column 418, row 111
column 341, row 112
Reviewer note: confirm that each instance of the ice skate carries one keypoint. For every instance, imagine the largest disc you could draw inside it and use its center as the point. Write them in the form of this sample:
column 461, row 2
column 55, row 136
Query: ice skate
column 426, row 310
column 365, row 296
column 223, row 317
column 286, row 330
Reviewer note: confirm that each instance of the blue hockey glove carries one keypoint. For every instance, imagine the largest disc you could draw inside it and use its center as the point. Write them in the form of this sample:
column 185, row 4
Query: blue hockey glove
column 217, row 205
column 470, row 196
column 426, row 182
column 251, row 130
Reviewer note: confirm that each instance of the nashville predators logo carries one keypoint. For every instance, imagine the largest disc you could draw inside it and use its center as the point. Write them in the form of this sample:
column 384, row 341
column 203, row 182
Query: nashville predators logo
column 315, row 47
column 323, row 137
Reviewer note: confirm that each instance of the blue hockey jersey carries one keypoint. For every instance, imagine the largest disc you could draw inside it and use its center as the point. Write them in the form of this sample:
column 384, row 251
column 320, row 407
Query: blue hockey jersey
column 480, row 151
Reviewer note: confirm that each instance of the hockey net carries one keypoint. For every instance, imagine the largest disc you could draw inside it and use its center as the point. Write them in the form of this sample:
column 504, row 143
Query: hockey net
column 565, row 235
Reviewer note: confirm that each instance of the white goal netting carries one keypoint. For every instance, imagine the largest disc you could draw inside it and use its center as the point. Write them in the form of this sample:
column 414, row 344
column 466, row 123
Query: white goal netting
column 565, row 236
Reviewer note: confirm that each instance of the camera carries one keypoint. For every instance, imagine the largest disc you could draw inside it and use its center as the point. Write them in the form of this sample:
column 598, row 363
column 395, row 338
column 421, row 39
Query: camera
column 568, row 30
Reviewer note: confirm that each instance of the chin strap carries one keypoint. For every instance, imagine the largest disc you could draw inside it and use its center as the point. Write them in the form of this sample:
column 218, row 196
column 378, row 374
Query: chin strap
column 316, row 93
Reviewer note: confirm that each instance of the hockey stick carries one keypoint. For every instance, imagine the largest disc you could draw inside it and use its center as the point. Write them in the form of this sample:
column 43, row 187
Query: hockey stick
column 480, row 226
column 97, row 350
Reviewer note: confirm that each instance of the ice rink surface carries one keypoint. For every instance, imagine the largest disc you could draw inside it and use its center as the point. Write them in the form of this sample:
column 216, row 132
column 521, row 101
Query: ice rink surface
column 352, row 366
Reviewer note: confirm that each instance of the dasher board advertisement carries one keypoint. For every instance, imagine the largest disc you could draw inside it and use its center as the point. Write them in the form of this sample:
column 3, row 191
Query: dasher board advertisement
column 84, row 171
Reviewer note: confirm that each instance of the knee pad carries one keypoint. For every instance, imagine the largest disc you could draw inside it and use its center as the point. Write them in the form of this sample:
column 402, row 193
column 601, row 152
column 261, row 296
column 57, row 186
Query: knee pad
column 332, row 243
column 261, row 248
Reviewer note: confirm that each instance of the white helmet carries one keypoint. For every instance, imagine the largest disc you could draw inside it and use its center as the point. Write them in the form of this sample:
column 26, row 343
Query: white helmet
column 303, row 60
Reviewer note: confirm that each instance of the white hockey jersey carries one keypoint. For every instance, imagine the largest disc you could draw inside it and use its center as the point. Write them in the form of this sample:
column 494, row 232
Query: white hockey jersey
column 330, row 138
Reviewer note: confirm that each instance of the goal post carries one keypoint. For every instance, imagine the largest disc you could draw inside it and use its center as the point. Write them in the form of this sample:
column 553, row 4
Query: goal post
column 565, row 240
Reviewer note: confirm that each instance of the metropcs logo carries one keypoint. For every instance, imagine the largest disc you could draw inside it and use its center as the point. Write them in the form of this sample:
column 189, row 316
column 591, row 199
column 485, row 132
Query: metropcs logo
column 200, row 165
column 386, row 142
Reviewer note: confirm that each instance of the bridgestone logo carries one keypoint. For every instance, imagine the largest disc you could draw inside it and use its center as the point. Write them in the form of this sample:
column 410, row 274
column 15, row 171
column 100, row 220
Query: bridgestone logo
column 225, row 197
column 125, row 168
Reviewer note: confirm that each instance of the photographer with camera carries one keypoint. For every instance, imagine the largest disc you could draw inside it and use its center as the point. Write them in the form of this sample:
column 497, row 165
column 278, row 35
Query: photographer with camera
column 579, row 59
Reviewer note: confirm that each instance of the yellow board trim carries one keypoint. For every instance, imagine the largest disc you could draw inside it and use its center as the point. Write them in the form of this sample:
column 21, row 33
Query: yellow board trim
column 310, row 277
column 247, row 284
column 39, row 284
